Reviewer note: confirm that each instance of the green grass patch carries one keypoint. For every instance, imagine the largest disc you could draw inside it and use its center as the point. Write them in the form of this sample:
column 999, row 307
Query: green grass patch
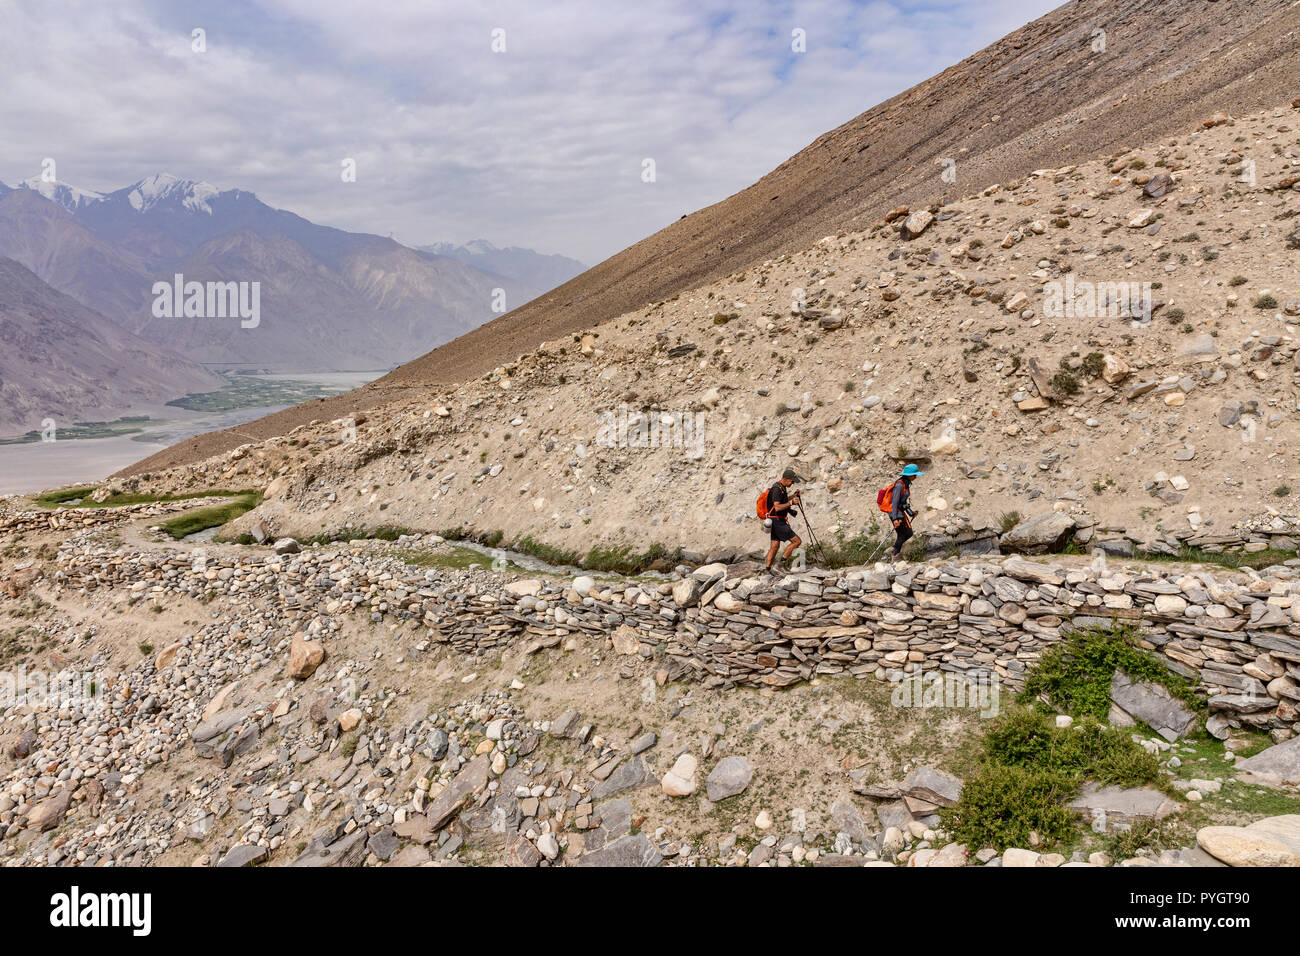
column 614, row 560
column 64, row 496
column 383, row 532
column 1126, row 844
column 80, row 498
column 627, row 561
column 204, row 518
column 546, row 552
column 1075, row 675
column 458, row 559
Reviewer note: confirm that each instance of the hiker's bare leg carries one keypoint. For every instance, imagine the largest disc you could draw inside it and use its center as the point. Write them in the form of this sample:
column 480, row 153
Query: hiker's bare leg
column 771, row 552
column 793, row 546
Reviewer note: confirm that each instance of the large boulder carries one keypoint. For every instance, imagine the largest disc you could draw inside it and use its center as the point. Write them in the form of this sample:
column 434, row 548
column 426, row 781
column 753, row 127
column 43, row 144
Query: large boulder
column 1039, row 534
column 680, row 781
column 1150, row 702
column 346, row 851
column 686, row 592
column 304, row 657
column 524, row 587
column 915, row 224
column 1114, row 369
column 933, row 786
column 845, row 818
column 471, row 781
column 630, row 775
column 1278, row 766
column 628, row 851
column 730, row 777
column 1123, row 804
column 49, row 813
column 245, row 854
column 1273, row 841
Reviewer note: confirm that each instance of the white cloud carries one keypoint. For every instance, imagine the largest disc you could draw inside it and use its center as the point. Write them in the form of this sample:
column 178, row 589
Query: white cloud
column 540, row 146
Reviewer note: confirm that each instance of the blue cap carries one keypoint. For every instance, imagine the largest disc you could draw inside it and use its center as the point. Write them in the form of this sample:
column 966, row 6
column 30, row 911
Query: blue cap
column 911, row 471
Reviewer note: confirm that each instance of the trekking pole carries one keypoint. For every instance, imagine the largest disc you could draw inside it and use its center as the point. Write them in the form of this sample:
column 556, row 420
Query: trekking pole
column 879, row 548
column 803, row 510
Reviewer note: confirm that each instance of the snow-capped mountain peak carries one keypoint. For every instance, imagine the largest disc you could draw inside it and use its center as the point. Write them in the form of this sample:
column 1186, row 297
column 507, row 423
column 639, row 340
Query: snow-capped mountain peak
column 69, row 197
column 164, row 187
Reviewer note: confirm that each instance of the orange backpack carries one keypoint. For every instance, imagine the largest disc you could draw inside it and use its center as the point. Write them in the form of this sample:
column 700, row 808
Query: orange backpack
column 885, row 498
column 761, row 506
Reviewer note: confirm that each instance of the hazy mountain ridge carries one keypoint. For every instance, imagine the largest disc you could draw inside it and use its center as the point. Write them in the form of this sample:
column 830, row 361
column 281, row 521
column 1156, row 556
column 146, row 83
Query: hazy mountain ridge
column 531, row 269
column 60, row 360
column 330, row 299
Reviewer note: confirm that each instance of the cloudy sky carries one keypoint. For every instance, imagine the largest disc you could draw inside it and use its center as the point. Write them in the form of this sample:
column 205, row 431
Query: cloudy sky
column 541, row 144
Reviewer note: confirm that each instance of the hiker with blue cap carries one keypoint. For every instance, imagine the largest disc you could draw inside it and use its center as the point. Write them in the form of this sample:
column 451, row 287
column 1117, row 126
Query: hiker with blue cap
column 900, row 507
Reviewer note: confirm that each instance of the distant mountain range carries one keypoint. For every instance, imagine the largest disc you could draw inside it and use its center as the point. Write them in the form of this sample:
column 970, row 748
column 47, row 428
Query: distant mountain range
column 329, row 299
column 60, row 360
column 525, row 266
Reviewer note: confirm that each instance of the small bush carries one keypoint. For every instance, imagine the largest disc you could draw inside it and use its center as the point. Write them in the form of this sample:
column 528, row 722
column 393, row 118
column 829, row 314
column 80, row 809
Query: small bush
column 1265, row 302
column 1065, row 383
column 1125, row 844
column 1008, row 520
column 1093, row 363
column 1237, row 280
column 1075, row 675
column 1090, row 750
column 1000, row 807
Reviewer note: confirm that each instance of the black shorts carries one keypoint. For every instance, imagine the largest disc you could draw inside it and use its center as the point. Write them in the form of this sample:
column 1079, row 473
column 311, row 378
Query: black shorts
column 781, row 530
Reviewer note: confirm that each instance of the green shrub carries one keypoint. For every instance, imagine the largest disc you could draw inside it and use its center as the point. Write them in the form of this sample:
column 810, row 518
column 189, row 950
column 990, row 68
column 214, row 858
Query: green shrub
column 1008, row 520
column 1075, row 675
column 1125, row 844
column 1089, row 750
column 1000, row 806
column 1064, row 383
column 1266, row 302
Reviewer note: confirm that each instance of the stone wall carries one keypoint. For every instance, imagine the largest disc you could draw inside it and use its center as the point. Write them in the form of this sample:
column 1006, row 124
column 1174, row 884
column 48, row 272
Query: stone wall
column 1238, row 633
column 1050, row 531
column 1241, row 641
column 75, row 519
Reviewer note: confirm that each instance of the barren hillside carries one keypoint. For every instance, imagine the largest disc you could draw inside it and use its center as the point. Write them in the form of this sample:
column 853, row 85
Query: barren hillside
column 874, row 347
column 1044, row 96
